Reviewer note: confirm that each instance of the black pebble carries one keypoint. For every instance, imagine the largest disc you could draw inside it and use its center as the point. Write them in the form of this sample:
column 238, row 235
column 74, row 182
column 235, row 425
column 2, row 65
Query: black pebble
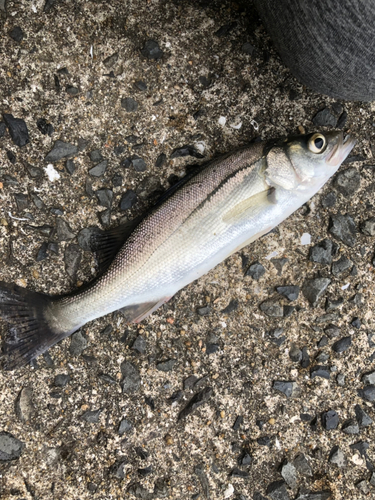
column 21, row 201
column 255, row 271
column 350, row 427
column 140, row 85
column 91, row 416
column 322, row 252
column 10, row 447
column 277, row 491
column 329, row 200
column 99, row 169
column 343, row 228
column 71, row 90
column 348, row 181
column 70, row 167
column 105, row 197
column 362, row 418
column 131, row 378
column 330, row 420
column 17, row 129
column 342, row 345
column 72, row 259
column 151, row 50
column 42, row 252
column 186, row 151
column 34, row 172
column 124, row 427
column 356, row 323
column 44, row 127
column 196, row 401
column 238, row 422
column 62, row 380
column 17, row 34
column 105, row 217
column 247, row 48
column 313, row 289
column 3, row 128
column 128, row 200
column 61, row 150
column 231, row 307
column 138, row 163
column 324, row 118
column 160, row 160
column 291, row 292
column 279, row 264
column 295, row 353
column 139, row 344
column 368, row 393
column 166, row 366
column 129, row 104
column 320, row 371
column 86, row 237
column 11, row 156
column 117, row 180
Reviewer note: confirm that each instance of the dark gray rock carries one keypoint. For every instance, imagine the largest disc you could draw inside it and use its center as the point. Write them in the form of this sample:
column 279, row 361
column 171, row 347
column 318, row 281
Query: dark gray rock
column 56, row 211
column 25, row 409
column 138, row 164
column 131, row 377
column 204, row 311
column 363, row 419
column 105, row 197
column 91, row 416
column 368, row 393
column 330, row 420
column 197, row 400
column 341, row 265
column 96, row 155
column 42, row 253
column 63, row 230
column 231, row 307
column 322, row 252
column 247, row 48
column 320, row 371
column 166, row 366
column 88, row 187
column 129, row 104
column 290, row 389
column 139, row 491
column 279, row 264
column 276, row 336
column 333, row 304
column 140, row 85
column 255, row 271
column 348, row 181
column 322, row 342
column 372, row 480
column 363, row 487
column 343, row 228
column 302, row 465
column 361, row 446
column 369, row 378
column 332, row 331
column 356, row 322
column 86, row 237
column 17, row 129
column 71, row 90
column 160, row 160
column 70, row 167
column 295, row 353
column 329, row 200
column 272, row 308
column 368, row 227
column 128, row 199
column 139, row 344
column 44, row 127
column 289, row 473
column 78, row 344
column 10, row 447
column 291, row 292
column 190, row 382
column 117, row 180
column 151, row 50
column 49, row 4
column 277, row 491
column 305, row 361
column 99, row 169
column 34, row 172
column 61, row 150
column 186, row 150
column 314, row 495
column 350, row 427
column 72, row 259
column 342, row 345
column 105, row 217
column 3, row 128
column 337, row 457
column 313, row 289
column 324, row 118
column 62, row 380
column 22, row 201
column 124, row 427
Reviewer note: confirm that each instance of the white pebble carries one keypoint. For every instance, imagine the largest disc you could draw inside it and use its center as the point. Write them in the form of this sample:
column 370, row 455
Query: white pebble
column 344, row 287
column 306, row 239
column 222, row 121
column 52, row 174
column 229, row 491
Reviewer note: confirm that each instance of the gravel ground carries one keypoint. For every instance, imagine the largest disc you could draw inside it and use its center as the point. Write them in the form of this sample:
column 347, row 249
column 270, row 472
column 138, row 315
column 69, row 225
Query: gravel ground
column 236, row 388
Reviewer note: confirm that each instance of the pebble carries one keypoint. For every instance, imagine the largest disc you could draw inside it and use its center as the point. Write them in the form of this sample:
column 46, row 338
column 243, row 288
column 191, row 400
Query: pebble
column 138, row 163
column 17, row 129
column 62, row 380
column 99, row 169
column 91, row 416
column 320, row 371
column 3, row 128
column 71, row 90
column 369, row 378
column 63, row 230
column 305, row 361
column 343, row 227
column 330, row 420
column 291, row 292
column 348, row 181
column 337, row 457
column 44, row 127
column 10, row 447
column 125, row 426
column 290, row 389
column 255, row 271
column 204, row 311
column 61, row 150
column 86, row 237
column 226, row 29
column 105, row 197
column 314, row 495
column 22, row 201
column 140, row 85
column 302, row 465
column 244, row 459
column 16, row 34
column 342, row 345
column 131, row 377
column 350, row 427
column 276, row 336
column 24, row 406
column 368, row 227
column 324, row 118
column 212, row 348
column 368, row 393
column 11, row 157
column 323, row 341
column 139, row 344
column 88, row 187
column 34, row 172
column 372, row 480
column 105, row 217
column 96, row 155
column 356, row 322
column 72, row 259
column 289, row 473
column 341, row 265
column 42, row 253
column 231, row 307
column 148, row 186
column 329, row 200
column 313, row 289
column 279, row 264
column 322, row 252
column 295, row 353
column 277, row 491
column 333, row 304
column 129, row 104
column 332, row 331
column 56, row 211
column 361, row 446
column 190, row 382
column 166, row 366
column 247, row 48
column 186, row 151
column 151, row 50
column 272, row 308
column 363, row 419
column 111, row 60
column 197, row 400
column 78, row 344
column 160, row 160
column 128, row 200
column 362, row 486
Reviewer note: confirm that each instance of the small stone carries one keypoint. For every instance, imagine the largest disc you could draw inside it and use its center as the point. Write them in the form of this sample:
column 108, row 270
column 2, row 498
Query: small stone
column 324, row 118
column 368, row 393
column 238, row 422
column 255, row 271
column 362, row 418
column 313, row 289
column 369, row 378
column 129, row 104
column 10, row 447
column 332, row 331
column 244, row 459
column 329, row 200
column 17, row 34
column 277, row 491
column 361, row 446
column 124, row 427
column 320, row 371
column 105, row 217
column 111, row 60
column 138, row 164
column 140, row 85
column 131, row 378
column 212, row 348
column 272, row 308
column 24, row 406
column 247, row 48
column 305, row 361
column 199, row 471
column 99, row 169
column 362, row 486
column 350, row 427
column 117, row 180
column 372, row 480
column 197, row 400
column 86, row 237
column 151, row 50
column 160, row 160
column 63, row 230
column 341, row 265
column 17, row 129
column 289, row 473
column 21, row 201
column 356, row 322
column 78, row 344
column 128, row 200
column 368, row 227
column 231, row 307
column 323, row 341
column 71, row 90
column 295, row 353
column 333, row 304
column 342, row 345
column 61, row 150
column 42, row 253
column 96, row 155
column 186, row 150
column 322, row 252
column 348, row 181
column 44, row 127
column 190, row 382
column 322, row 357
column 88, row 187
column 139, row 344
column 56, row 211
column 204, row 311
column 330, row 420
column 291, row 292
column 105, row 197
column 290, row 389
column 302, row 465
column 166, row 366
column 343, row 228
column 147, row 187
column 62, row 380
column 34, row 172
column 72, row 259
column 279, row 264
column 337, row 457
column 91, row 416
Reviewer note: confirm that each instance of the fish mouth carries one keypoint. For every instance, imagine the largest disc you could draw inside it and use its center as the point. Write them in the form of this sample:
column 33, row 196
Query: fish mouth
column 341, row 150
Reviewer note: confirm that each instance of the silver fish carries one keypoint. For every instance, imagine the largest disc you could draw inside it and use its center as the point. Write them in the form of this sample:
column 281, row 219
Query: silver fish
column 217, row 211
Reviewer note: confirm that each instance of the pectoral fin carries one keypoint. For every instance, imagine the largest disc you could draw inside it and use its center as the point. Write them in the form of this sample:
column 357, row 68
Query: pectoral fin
column 249, row 205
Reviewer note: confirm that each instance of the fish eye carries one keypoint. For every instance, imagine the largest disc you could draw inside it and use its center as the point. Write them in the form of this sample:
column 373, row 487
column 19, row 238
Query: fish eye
column 317, row 143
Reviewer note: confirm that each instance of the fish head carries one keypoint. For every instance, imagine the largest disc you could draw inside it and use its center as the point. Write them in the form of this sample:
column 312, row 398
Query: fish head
column 304, row 163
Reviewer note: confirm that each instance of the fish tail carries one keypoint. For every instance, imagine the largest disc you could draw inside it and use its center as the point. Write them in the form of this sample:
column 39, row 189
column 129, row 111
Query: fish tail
column 31, row 330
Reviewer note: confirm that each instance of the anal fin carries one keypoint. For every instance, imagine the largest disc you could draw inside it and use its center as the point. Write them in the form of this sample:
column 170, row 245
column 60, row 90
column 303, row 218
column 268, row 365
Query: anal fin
column 138, row 312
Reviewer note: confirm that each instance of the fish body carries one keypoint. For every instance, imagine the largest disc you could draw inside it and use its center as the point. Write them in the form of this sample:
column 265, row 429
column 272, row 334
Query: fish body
column 225, row 206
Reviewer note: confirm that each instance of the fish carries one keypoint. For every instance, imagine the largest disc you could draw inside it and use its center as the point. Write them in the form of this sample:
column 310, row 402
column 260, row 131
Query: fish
column 203, row 219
